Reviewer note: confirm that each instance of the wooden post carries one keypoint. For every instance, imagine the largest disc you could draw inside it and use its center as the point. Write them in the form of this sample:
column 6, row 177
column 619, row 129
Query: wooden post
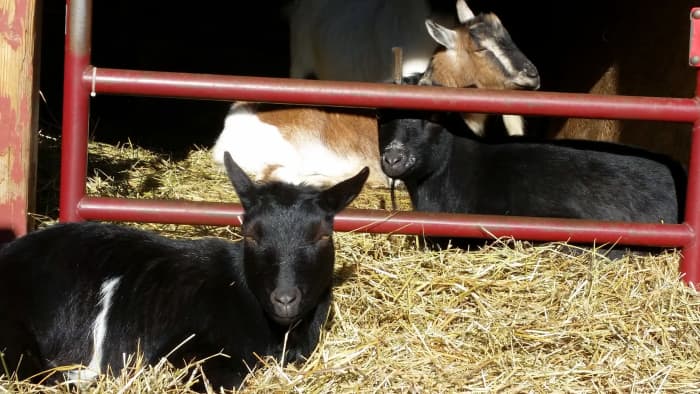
column 19, row 67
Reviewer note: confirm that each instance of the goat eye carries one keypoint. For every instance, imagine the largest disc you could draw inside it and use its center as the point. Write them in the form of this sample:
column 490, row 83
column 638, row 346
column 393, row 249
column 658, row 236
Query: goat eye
column 324, row 237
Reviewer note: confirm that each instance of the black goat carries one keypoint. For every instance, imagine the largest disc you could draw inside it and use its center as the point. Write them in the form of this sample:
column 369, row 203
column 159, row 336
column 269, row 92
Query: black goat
column 86, row 293
column 447, row 168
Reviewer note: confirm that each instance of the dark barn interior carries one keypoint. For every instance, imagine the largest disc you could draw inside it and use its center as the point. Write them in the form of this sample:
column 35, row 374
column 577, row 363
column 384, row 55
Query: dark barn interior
column 572, row 45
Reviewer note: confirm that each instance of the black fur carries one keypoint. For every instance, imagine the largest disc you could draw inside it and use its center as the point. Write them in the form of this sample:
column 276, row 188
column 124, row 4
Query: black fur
column 237, row 298
column 446, row 168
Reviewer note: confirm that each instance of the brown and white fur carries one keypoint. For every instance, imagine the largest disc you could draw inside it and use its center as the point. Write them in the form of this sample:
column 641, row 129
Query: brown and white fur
column 320, row 146
column 311, row 145
column 351, row 40
column 477, row 54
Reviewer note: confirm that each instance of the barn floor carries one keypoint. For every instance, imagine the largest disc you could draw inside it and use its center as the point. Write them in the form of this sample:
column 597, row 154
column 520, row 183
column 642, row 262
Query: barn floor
column 511, row 317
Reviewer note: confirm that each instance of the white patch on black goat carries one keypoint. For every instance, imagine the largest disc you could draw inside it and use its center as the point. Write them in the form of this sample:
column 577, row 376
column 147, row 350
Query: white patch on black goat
column 99, row 332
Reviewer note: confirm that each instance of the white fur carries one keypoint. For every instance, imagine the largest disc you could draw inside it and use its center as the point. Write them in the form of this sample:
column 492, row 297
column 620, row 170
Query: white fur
column 415, row 65
column 515, row 125
column 99, row 332
column 496, row 51
column 256, row 145
column 464, row 13
column 476, row 122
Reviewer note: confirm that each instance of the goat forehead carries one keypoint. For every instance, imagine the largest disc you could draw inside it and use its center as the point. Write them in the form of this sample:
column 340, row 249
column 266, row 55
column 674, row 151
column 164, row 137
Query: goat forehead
column 400, row 133
column 502, row 49
column 280, row 199
column 503, row 54
column 290, row 223
column 486, row 25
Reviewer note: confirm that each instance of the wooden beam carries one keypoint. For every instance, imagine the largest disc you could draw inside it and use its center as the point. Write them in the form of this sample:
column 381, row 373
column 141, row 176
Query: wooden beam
column 19, row 66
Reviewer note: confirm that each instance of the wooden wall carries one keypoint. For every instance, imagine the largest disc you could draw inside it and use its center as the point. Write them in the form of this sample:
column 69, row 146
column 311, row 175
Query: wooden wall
column 18, row 114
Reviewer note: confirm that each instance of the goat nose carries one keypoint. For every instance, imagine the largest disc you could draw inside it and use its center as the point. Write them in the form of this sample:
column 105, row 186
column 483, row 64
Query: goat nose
column 392, row 157
column 528, row 78
column 286, row 298
column 531, row 71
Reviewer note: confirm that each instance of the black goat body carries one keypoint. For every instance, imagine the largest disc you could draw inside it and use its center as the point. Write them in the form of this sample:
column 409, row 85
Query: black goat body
column 447, row 168
column 87, row 293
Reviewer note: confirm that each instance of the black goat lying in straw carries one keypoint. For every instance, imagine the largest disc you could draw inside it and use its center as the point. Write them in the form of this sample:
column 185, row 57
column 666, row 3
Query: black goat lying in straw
column 447, row 168
column 86, row 293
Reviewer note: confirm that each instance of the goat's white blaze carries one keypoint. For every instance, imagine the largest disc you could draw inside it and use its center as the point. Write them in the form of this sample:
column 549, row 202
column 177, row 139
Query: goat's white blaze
column 99, row 332
column 514, row 124
column 492, row 46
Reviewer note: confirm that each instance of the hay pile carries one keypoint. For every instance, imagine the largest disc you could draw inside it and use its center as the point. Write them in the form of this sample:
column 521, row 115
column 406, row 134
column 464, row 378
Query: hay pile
column 511, row 317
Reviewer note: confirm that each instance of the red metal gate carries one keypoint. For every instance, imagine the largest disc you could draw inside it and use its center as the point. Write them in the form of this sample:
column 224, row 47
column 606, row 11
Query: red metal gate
column 81, row 78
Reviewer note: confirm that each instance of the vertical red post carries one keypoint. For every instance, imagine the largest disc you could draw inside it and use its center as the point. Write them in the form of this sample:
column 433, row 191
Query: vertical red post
column 690, row 264
column 75, row 108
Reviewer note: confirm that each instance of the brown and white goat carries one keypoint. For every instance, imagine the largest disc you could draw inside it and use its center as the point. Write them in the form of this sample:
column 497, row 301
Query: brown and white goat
column 320, row 146
column 311, row 145
column 326, row 43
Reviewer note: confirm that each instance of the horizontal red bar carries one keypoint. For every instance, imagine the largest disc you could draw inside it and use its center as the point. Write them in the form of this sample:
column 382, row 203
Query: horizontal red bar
column 403, row 222
column 376, row 95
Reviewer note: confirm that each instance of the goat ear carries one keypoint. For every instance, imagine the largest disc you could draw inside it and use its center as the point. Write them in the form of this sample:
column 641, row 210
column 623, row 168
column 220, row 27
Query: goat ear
column 444, row 36
column 245, row 188
column 339, row 196
column 464, row 14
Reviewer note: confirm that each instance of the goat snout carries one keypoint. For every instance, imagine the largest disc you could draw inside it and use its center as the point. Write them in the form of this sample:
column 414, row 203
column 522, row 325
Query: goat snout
column 285, row 304
column 528, row 77
column 393, row 157
column 395, row 161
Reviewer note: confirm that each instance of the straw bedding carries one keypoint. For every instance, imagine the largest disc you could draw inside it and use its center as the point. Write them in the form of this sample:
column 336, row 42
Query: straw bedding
column 510, row 317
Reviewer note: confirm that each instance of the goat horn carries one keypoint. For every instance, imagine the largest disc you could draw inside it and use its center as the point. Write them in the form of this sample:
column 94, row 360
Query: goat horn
column 398, row 65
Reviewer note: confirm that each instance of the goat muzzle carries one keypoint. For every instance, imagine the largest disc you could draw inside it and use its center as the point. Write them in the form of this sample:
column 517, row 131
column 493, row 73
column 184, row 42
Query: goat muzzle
column 286, row 304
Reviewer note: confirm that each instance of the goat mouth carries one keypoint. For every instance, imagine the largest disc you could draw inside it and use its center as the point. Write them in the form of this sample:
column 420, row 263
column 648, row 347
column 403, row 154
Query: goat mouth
column 284, row 320
column 532, row 84
column 399, row 169
column 393, row 172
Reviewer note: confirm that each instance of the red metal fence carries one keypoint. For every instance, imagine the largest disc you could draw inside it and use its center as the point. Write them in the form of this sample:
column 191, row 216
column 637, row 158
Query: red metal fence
column 81, row 78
